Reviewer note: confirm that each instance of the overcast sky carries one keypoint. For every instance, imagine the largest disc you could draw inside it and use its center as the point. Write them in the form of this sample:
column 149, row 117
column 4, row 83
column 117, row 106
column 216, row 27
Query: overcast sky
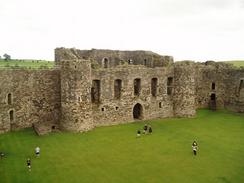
column 186, row 29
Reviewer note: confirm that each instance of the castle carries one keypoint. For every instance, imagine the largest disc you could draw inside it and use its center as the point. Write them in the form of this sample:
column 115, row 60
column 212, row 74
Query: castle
column 89, row 88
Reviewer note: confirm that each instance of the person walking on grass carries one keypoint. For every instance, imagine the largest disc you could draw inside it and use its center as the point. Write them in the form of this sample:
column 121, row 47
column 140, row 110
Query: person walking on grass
column 37, row 151
column 28, row 162
column 194, row 147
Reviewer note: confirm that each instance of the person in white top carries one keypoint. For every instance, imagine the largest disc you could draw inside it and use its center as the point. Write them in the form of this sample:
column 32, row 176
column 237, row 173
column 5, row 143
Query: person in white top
column 194, row 147
column 37, row 151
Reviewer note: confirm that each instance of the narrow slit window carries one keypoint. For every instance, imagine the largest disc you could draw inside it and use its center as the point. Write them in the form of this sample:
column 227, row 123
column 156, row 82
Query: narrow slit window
column 170, row 85
column 11, row 115
column 9, row 99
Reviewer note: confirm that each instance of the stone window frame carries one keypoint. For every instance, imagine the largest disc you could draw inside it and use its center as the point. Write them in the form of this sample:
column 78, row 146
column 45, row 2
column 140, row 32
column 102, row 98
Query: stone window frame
column 12, row 120
column 11, row 98
column 105, row 62
column 137, row 92
column 170, row 85
column 213, row 86
column 120, row 90
column 154, row 93
column 97, row 83
column 160, row 104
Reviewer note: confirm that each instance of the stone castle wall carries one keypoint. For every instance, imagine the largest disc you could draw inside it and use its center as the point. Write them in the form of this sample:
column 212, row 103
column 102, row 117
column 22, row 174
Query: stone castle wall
column 30, row 96
column 111, row 110
column 93, row 88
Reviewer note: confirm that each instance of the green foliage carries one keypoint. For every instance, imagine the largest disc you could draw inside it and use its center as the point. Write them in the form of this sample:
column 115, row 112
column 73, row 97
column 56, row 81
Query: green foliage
column 114, row 154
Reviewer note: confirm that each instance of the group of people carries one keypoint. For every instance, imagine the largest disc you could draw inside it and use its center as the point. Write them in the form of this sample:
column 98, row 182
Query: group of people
column 147, row 129
column 28, row 161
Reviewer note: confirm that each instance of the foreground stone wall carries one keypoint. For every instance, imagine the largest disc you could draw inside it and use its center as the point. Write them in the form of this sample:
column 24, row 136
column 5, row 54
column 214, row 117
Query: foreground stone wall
column 28, row 97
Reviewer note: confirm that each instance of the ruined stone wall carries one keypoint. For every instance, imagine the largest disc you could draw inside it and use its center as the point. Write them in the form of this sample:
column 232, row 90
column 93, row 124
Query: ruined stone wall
column 235, row 90
column 111, row 110
column 211, row 79
column 31, row 96
column 113, row 57
column 76, row 109
column 184, row 89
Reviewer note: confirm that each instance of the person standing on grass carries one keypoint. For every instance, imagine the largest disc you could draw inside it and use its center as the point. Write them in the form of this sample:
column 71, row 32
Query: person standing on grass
column 150, row 130
column 138, row 133
column 194, row 147
column 145, row 129
column 37, row 151
column 28, row 164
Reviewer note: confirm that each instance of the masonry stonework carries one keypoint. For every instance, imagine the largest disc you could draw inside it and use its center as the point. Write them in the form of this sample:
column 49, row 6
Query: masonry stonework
column 90, row 88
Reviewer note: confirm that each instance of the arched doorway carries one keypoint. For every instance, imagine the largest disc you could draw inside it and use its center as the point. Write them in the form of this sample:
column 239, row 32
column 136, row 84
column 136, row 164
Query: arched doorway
column 137, row 111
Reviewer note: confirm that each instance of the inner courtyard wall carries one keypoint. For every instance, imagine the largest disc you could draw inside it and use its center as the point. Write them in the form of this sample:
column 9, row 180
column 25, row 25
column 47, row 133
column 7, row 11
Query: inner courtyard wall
column 34, row 98
column 92, row 88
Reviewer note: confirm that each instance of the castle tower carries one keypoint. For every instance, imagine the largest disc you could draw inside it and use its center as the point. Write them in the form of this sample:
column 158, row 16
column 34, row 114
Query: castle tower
column 184, row 90
column 75, row 95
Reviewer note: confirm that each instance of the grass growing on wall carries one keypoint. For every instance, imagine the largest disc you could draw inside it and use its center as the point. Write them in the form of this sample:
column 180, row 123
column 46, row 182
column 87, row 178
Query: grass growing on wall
column 28, row 64
column 114, row 154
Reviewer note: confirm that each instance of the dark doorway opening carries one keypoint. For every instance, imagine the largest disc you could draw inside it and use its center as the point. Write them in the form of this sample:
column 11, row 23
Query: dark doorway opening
column 137, row 111
column 212, row 104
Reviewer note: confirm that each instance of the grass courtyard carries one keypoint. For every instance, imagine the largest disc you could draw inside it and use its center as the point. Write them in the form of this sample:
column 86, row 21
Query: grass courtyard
column 114, row 154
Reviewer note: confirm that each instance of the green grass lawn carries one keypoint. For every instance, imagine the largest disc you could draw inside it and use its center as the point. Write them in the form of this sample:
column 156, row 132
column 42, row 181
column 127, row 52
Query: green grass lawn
column 29, row 64
column 114, row 154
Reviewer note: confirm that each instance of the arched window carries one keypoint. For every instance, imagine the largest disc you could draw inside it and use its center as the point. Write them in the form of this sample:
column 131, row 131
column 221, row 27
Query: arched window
column 105, row 63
